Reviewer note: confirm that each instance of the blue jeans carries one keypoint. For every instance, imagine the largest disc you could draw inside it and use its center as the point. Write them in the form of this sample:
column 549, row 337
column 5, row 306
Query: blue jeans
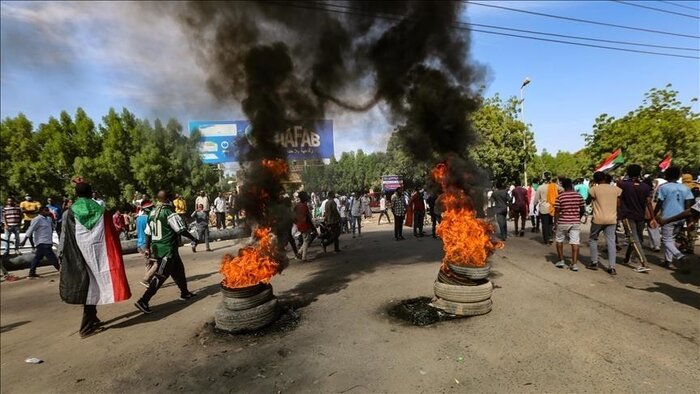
column 43, row 250
column 668, row 238
column 609, row 231
column 8, row 232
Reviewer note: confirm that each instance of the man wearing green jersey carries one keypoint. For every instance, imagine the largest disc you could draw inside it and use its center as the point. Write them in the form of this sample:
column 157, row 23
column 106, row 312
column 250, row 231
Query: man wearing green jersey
column 164, row 227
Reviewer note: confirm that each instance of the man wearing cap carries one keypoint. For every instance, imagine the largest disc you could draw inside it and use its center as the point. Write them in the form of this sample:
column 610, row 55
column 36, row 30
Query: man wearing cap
column 162, row 231
column 30, row 210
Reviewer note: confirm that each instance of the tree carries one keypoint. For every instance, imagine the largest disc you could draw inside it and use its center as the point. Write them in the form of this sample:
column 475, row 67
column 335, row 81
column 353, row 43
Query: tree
column 125, row 156
column 660, row 125
column 563, row 164
column 505, row 143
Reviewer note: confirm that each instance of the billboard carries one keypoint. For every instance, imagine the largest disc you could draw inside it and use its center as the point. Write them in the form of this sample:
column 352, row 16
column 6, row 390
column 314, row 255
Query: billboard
column 391, row 183
column 220, row 139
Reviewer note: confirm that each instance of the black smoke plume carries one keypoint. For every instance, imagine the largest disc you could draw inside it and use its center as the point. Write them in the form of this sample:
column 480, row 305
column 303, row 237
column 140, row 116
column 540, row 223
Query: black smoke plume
column 290, row 61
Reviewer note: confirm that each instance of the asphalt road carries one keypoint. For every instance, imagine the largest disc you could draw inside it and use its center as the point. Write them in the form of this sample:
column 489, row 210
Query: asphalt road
column 550, row 330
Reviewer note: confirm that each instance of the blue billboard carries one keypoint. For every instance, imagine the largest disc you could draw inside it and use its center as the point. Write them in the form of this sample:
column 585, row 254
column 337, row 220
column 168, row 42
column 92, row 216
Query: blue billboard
column 220, row 139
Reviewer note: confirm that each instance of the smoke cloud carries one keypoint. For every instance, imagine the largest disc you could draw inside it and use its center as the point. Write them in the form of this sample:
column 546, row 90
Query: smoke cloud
column 295, row 61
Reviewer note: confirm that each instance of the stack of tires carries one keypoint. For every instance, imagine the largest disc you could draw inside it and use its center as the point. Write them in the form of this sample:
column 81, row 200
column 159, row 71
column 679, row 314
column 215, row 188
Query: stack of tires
column 463, row 291
column 246, row 309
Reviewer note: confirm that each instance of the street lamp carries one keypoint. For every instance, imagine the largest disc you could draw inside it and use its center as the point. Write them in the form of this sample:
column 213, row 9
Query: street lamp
column 522, row 119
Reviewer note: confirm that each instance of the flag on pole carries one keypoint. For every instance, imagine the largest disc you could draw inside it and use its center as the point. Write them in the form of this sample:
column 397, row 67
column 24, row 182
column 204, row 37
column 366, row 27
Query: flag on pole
column 612, row 162
column 665, row 163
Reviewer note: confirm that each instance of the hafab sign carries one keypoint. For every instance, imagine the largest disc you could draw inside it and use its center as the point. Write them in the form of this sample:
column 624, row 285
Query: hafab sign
column 220, row 139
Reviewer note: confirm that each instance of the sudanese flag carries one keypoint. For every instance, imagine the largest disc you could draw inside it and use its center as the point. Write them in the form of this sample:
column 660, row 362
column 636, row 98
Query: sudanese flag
column 92, row 268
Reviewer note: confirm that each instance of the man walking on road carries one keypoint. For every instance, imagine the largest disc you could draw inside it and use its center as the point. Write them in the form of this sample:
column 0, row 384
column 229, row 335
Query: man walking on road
column 203, row 200
column 544, row 208
column 435, row 212
column 398, row 208
column 519, row 207
column 164, row 226
column 356, row 216
column 674, row 198
column 220, row 210
column 418, row 206
column 383, row 210
column 634, row 202
column 500, row 199
column 92, row 269
column 42, row 228
column 331, row 217
column 606, row 199
column 12, row 218
column 302, row 218
column 568, row 210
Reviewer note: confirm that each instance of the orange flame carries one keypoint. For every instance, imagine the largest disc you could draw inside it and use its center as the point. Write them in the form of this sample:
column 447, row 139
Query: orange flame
column 276, row 167
column 466, row 239
column 254, row 264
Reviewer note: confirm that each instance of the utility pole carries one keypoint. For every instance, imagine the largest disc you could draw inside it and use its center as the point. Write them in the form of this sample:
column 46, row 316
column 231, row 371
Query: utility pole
column 522, row 119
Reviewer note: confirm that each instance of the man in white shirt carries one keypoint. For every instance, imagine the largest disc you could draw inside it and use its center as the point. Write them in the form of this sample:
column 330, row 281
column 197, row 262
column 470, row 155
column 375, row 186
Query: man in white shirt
column 220, row 211
column 42, row 230
column 382, row 210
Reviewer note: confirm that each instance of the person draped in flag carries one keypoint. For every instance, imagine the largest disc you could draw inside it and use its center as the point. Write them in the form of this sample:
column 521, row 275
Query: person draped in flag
column 162, row 238
column 92, row 269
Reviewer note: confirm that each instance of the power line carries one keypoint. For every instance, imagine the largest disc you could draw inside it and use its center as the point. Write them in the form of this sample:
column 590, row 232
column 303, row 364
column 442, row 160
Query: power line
column 585, row 20
column 655, row 9
column 544, row 33
column 351, row 11
column 687, row 7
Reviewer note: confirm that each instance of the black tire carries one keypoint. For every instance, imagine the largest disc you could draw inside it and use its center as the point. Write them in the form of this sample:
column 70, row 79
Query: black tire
column 471, row 272
column 465, row 294
column 239, row 304
column 451, row 278
column 246, row 320
column 463, row 309
column 243, row 292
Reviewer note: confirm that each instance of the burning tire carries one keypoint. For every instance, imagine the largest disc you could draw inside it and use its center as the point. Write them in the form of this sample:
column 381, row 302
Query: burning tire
column 463, row 308
column 234, row 303
column 471, row 272
column 248, row 319
column 463, row 294
column 242, row 292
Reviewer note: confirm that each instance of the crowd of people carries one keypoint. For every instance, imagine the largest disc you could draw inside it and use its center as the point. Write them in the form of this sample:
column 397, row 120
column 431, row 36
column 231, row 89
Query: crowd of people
column 618, row 208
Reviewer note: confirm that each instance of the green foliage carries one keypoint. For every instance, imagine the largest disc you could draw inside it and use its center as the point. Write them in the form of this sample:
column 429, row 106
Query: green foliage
column 660, row 125
column 505, row 143
column 353, row 172
column 563, row 164
column 123, row 156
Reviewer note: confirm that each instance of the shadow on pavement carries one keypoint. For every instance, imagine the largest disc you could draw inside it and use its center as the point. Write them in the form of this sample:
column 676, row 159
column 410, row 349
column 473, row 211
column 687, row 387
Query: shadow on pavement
column 161, row 311
column 12, row 326
column 358, row 257
column 683, row 296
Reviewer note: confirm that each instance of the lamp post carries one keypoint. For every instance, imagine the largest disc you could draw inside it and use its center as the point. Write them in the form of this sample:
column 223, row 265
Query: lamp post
column 522, row 119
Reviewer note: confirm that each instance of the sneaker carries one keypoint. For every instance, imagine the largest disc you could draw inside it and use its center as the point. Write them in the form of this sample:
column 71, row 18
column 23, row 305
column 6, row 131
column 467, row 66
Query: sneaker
column 144, row 283
column 666, row 264
column 187, row 296
column 574, row 268
column 593, row 266
column 560, row 264
column 642, row 269
column 143, row 307
column 612, row 271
